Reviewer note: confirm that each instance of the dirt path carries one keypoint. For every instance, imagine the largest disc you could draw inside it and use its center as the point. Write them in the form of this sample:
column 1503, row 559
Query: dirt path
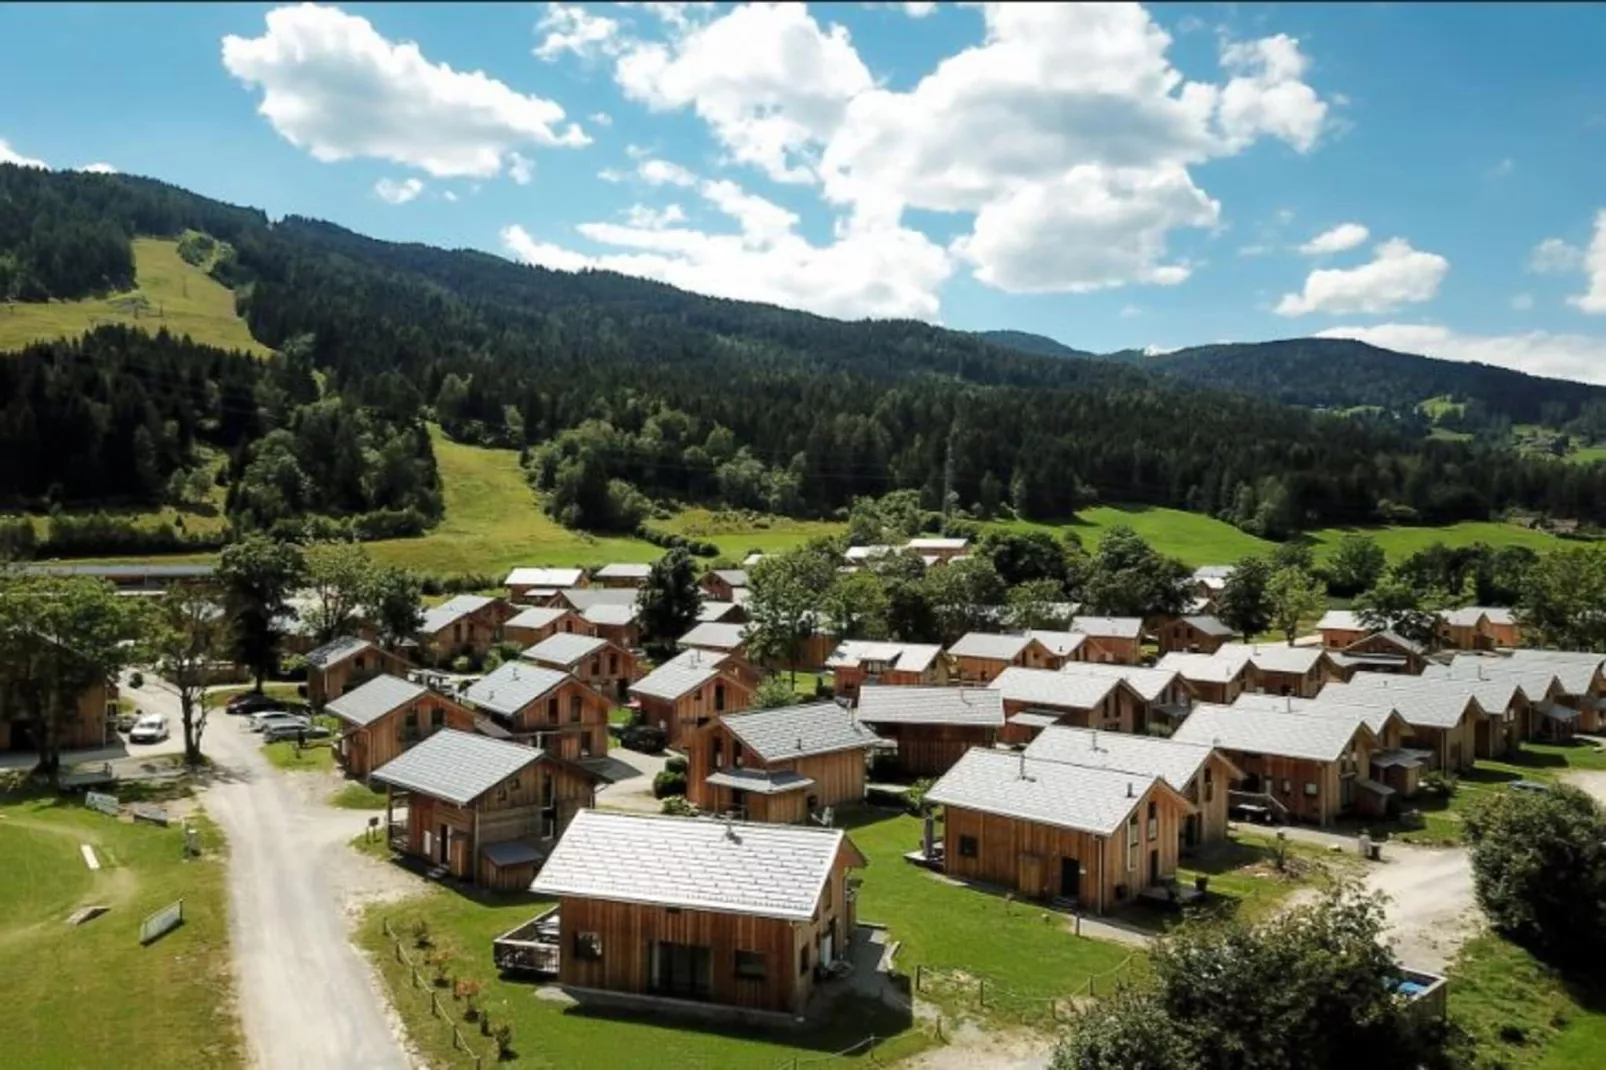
column 1431, row 908
column 308, row 999
column 1590, row 782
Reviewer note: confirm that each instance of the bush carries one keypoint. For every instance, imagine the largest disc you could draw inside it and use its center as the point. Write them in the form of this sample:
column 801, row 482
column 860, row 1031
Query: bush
column 668, row 783
column 462, row 664
column 503, row 1035
column 916, row 796
column 136, row 679
column 676, row 764
column 678, row 806
column 1438, row 782
column 670, row 541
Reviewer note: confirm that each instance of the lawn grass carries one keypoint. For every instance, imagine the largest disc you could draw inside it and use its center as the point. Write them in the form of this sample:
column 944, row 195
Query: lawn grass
column 315, row 757
column 283, row 692
column 739, row 533
column 1398, row 542
column 357, row 797
column 1521, row 1014
column 169, row 293
column 1193, row 538
column 91, row 995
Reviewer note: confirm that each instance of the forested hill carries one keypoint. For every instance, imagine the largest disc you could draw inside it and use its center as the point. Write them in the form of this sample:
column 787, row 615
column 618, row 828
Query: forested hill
column 623, row 390
column 1039, row 344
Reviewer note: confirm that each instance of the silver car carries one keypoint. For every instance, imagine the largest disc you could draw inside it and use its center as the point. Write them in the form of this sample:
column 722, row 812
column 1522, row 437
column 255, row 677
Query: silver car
column 262, row 721
column 275, row 732
column 151, row 728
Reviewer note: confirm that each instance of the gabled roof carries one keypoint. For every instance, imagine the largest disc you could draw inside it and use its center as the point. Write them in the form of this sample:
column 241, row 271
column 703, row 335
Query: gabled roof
column 337, row 650
column 716, row 635
column 931, row 543
column 1423, row 703
column 786, row 732
column 624, row 571
column 1575, row 670
column 1149, row 683
column 1375, row 716
column 760, row 781
column 1276, row 657
column 1109, row 627
column 864, row 553
column 1392, row 638
column 1464, row 617
column 1258, row 731
column 452, row 610
column 989, row 646
column 1213, row 577
column 364, row 705
column 767, row 871
column 752, row 559
column 1048, row 687
column 1500, row 615
column 715, row 611
column 1050, row 793
column 544, row 577
column 513, row 686
column 1534, row 681
column 583, row 598
column 688, row 670
column 564, row 649
column 735, row 577
column 1341, row 620
column 891, row 704
column 1212, row 626
column 535, row 617
column 1221, row 667
column 902, row 657
column 1175, row 763
column 1060, row 644
column 610, row 615
column 456, row 766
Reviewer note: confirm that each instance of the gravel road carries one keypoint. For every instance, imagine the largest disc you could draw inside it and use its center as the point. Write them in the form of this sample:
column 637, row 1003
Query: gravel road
column 1431, row 908
column 308, row 999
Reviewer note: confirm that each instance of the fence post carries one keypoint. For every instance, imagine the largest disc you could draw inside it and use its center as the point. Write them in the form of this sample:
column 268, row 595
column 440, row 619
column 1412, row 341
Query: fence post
column 920, row 973
column 981, row 991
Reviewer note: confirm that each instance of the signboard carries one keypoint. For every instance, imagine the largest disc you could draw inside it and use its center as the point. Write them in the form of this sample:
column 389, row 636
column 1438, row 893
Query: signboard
column 162, row 922
column 106, row 804
column 147, row 812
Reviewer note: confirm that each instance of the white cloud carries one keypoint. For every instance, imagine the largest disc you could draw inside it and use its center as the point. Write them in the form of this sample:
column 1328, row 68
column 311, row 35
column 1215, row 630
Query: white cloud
column 601, row 118
column 450, row 196
column 1337, row 240
column 1503, row 168
column 1562, row 356
column 98, row 169
column 919, row 9
column 645, row 218
column 866, row 271
column 662, row 172
column 1555, row 257
column 10, row 155
column 1398, row 275
column 1130, row 311
column 1268, row 96
column 393, row 192
column 678, row 15
column 611, row 174
column 521, row 169
column 1522, row 302
column 571, row 28
column 331, row 84
column 1593, row 300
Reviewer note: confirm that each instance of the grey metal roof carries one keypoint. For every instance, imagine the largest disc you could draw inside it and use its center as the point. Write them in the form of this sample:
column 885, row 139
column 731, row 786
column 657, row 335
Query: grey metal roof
column 713, row 611
column 337, row 650
column 611, row 615
column 1575, row 670
column 544, row 577
column 1534, row 679
column 890, row 704
column 1423, row 703
column 1176, row 763
column 1341, row 620
column 456, row 766
column 678, row 675
column 1376, row 717
column 535, row 617
column 364, row 705
column 564, row 649
column 1218, row 668
column 1256, row 731
column 902, row 657
column 770, row 871
column 1276, row 657
column 1035, row 720
column 511, row 853
column 785, row 732
column 736, row 577
column 1209, row 625
column 1108, row 627
column 1050, row 793
column 624, row 570
column 583, row 598
column 1048, row 687
column 1394, row 639
column 451, row 610
column 989, row 646
column 1150, row 683
column 1060, row 644
column 715, row 634
column 931, row 543
column 513, row 686
column 760, row 782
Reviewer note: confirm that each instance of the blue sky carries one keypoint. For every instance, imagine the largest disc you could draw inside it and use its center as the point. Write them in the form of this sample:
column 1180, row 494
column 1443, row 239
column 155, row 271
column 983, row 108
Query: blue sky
column 1423, row 176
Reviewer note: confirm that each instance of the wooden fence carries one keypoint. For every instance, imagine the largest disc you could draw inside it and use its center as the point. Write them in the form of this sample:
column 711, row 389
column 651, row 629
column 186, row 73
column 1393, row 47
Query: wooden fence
column 422, row 984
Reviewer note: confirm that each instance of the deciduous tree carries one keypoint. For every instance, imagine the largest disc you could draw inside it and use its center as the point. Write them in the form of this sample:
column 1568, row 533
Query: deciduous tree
column 188, row 635
column 395, row 600
column 670, row 600
column 1354, row 565
column 1244, row 605
column 339, row 575
column 1127, row 578
column 1563, row 600
column 1292, row 596
column 258, row 575
column 784, row 606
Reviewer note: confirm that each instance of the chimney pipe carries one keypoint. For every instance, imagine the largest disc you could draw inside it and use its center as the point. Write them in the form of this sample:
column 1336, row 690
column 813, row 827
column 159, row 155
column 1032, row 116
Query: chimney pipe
column 1129, row 792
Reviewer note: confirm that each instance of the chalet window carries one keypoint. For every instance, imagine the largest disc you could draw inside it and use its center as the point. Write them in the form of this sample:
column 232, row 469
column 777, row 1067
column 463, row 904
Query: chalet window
column 546, row 789
column 719, row 698
column 574, row 709
column 1132, row 842
column 1209, row 785
column 552, row 709
column 613, row 664
column 585, row 744
column 359, row 662
column 588, row 946
column 513, row 783
column 568, row 625
column 1154, row 819
column 410, row 727
column 549, row 825
column 719, row 752
column 596, row 666
column 750, row 965
column 967, row 847
column 437, row 717
column 803, row 959
column 1288, row 786
column 825, row 898
column 1310, row 787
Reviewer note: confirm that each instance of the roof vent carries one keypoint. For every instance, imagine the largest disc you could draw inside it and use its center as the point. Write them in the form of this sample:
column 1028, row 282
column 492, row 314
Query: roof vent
column 1130, row 793
column 799, row 742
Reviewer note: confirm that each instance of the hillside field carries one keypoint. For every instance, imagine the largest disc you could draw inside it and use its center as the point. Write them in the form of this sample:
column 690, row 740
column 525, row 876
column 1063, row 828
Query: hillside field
column 170, row 293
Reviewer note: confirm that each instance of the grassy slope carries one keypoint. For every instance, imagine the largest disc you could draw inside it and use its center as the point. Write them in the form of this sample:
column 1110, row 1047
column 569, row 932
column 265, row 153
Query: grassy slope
column 739, row 534
column 170, row 293
column 91, row 995
column 1498, row 988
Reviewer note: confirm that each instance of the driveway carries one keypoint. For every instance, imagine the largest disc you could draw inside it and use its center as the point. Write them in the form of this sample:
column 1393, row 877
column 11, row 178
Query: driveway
column 308, row 998
column 632, row 786
column 1431, row 907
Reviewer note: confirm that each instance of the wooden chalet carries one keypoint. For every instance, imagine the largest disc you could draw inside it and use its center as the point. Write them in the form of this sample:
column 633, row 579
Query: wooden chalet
column 691, row 689
column 342, row 664
column 1048, row 830
column 468, row 625
column 856, row 662
column 1390, row 763
column 1209, row 582
column 694, row 910
column 1199, row 773
column 1532, row 697
column 591, row 659
column 786, row 765
column 90, row 723
column 482, row 809
column 1279, row 669
column 536, row 585
column 932, row 727
column 1037, row 698
column 1341, row 627
column 721, row 584
column 622, row 574
column 546, row 708
column 1216, row 678
column 1307, row 767
column 1443, row 721
column 978, row 657
column 718, row 638
column 535, row 623
column 1582, row 680
column 1386, row 651
column 938, row 549
column 387, row 715
column 711, row 612
column 619, row 624
column 1479, row 628
column 1112, row 640
column 1164, row 695
column 1198, row 634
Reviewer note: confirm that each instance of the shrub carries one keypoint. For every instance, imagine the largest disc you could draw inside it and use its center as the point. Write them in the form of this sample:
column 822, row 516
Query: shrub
column 916, row 796
column 675, row 764
column 421, row 934
column 462, row 664
column 678, row 806
column 503, row 1035
column 668, row 783
column 1438, row 782
column 136, row 679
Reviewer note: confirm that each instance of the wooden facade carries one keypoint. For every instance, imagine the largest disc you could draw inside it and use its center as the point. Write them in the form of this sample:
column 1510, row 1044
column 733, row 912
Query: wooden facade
column 1121, row 710
column 724, row 691
column 471, row 635
column 1041, row 861
column 328, row 682
column 1179, row 633
column 363, row 748
column 839, row 779
column 91, row 723
column 569, row 623
column 847, row 679
column 719, row 589
column 1339, row 638
column 534, row 807
column 570, row 721
column 1314, row 791
column 756, row 963
column 520, row 592
column 1453, row 749
column 609, row 670
column 970, row 669
column 1382, row 644
column 1111, row 650
column 930, row 750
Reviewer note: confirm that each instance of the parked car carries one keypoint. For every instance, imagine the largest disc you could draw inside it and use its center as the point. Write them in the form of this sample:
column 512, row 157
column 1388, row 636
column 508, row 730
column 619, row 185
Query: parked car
column 643, row 738
column 274, row 733
column 253, row 702
column 127, row 719
column 151, row 728
column 1529, row 786
column 262, row 721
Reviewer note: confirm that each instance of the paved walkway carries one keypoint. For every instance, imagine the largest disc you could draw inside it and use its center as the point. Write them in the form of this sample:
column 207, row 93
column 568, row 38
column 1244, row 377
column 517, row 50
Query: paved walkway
column 308, row 999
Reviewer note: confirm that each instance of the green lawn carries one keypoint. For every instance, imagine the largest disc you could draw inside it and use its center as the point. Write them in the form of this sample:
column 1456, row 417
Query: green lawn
column 1521, row 1014
column 357, row 797
column 313, row 758
column 283, row 692
column 1400, row 542
column 90, row 995
column 170, row 293
column 738, row 534
column 1194, row 538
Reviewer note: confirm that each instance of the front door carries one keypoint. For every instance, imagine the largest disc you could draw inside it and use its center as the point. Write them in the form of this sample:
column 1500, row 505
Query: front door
column 446, row 845
column 1154, row 867
column 1070, row 879
column 681, row 970
column 827, row 948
